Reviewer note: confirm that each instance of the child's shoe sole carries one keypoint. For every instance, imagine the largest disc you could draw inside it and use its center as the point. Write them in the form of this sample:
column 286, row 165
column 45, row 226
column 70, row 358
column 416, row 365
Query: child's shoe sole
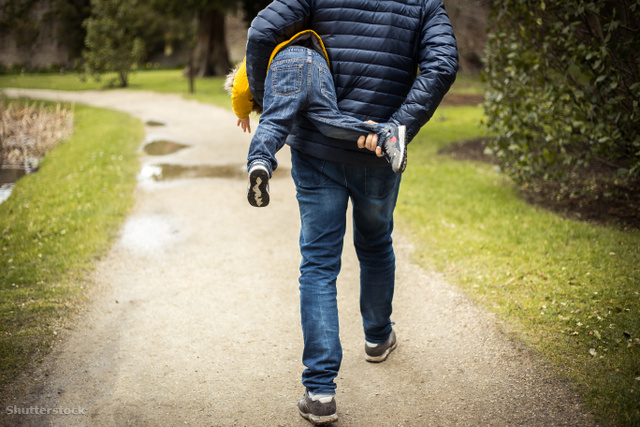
column 258, row 190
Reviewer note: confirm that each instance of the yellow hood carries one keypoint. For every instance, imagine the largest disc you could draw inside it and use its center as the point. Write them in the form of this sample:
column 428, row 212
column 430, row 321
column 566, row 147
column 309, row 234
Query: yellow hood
column 306, row 35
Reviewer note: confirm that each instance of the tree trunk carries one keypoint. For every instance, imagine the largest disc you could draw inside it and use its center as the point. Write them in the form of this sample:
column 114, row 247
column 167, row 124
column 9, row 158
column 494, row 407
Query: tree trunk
column 124, row 78
column 211, row 56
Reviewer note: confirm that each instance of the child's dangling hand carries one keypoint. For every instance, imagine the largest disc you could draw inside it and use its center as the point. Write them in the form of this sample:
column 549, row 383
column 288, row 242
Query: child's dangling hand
column 245, row 124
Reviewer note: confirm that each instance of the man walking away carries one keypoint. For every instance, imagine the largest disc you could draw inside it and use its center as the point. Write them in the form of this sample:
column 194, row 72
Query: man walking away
column 392, row 61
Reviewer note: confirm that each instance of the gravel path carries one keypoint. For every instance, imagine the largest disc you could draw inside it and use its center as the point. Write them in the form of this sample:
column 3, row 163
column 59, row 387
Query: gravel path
column 194, row 317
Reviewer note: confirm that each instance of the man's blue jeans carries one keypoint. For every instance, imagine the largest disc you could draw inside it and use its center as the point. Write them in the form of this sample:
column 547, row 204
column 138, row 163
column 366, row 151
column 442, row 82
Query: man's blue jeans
column 299, row 81
column 324, row 189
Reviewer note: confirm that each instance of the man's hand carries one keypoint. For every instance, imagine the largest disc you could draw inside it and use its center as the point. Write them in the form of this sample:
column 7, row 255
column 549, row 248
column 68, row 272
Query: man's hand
column 370, row 142
column 245, row 124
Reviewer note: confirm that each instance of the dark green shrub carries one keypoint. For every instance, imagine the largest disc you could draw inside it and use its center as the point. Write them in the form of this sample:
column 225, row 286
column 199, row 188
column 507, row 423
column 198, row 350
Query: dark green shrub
column 112, row 44
column 563, row 92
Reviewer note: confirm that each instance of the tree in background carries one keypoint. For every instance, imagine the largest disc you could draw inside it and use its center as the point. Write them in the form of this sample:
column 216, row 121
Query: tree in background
column 112, row 44
column 563, row 93
column 148, row 24
column 210, row 55
column 163, row 25
column 70, row 15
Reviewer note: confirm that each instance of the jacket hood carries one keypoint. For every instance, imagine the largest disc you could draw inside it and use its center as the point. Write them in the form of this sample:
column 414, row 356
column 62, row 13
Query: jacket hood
column 307, row 38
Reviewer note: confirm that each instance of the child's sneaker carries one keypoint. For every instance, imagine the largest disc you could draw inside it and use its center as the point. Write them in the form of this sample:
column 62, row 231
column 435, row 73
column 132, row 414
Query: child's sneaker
column 258, row 187
column 394, row 148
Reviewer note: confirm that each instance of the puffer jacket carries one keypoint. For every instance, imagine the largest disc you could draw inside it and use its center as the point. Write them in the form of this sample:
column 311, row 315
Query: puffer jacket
column 392, row 60
column 237, row 84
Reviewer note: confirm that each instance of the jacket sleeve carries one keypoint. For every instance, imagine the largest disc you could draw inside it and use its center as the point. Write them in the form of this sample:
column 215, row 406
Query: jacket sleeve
column 438, row 62
column 276, row 23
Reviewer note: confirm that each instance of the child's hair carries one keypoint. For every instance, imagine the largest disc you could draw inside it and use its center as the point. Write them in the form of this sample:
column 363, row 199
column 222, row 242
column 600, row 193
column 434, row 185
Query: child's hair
column 228, row 83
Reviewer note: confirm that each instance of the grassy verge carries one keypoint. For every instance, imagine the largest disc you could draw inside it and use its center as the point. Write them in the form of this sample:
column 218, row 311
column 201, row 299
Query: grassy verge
column 55, row 224
column 568, row 289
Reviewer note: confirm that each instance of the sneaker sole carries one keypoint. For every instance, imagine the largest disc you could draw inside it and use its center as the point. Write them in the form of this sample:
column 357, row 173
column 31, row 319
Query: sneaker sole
column 257, row 194
column 319, row 420
column 382, row 357
column 402, row 131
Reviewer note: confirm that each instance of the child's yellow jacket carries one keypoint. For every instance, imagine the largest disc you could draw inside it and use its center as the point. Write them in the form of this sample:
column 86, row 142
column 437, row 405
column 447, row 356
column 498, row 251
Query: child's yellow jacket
column 238, row 84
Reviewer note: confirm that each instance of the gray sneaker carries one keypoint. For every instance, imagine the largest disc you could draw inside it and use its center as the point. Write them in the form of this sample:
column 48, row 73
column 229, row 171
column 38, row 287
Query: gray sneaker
column 377, row 353
column 394, row 147
column 319, row 409
column 258, row 187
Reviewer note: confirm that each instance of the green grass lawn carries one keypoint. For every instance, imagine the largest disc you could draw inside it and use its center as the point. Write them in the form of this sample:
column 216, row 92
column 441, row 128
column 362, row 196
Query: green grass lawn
column 54, row 226
column 569, row 289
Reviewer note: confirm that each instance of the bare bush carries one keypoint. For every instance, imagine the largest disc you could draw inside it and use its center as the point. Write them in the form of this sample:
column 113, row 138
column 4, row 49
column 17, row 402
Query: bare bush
column 28, row 132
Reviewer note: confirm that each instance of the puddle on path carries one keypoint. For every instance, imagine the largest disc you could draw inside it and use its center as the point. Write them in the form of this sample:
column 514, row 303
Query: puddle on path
column 155, row 122
column 162, row 147
column 149, row 233
column 8, row 178
column 165, row 172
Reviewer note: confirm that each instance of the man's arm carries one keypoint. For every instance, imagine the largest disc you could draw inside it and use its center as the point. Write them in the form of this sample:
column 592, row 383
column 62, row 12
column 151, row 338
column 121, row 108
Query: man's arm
column 276, row 23
column 438, row 60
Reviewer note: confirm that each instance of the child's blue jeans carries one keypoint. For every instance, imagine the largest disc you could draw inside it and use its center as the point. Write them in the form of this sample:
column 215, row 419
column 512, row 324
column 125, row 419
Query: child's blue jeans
column 299, row 81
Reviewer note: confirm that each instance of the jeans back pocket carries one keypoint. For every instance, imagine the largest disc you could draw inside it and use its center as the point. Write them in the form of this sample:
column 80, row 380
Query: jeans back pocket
column 286, row 79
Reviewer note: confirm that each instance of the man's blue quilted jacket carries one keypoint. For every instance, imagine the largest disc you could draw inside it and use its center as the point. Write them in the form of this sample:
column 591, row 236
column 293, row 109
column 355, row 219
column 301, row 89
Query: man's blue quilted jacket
column 390, row 59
